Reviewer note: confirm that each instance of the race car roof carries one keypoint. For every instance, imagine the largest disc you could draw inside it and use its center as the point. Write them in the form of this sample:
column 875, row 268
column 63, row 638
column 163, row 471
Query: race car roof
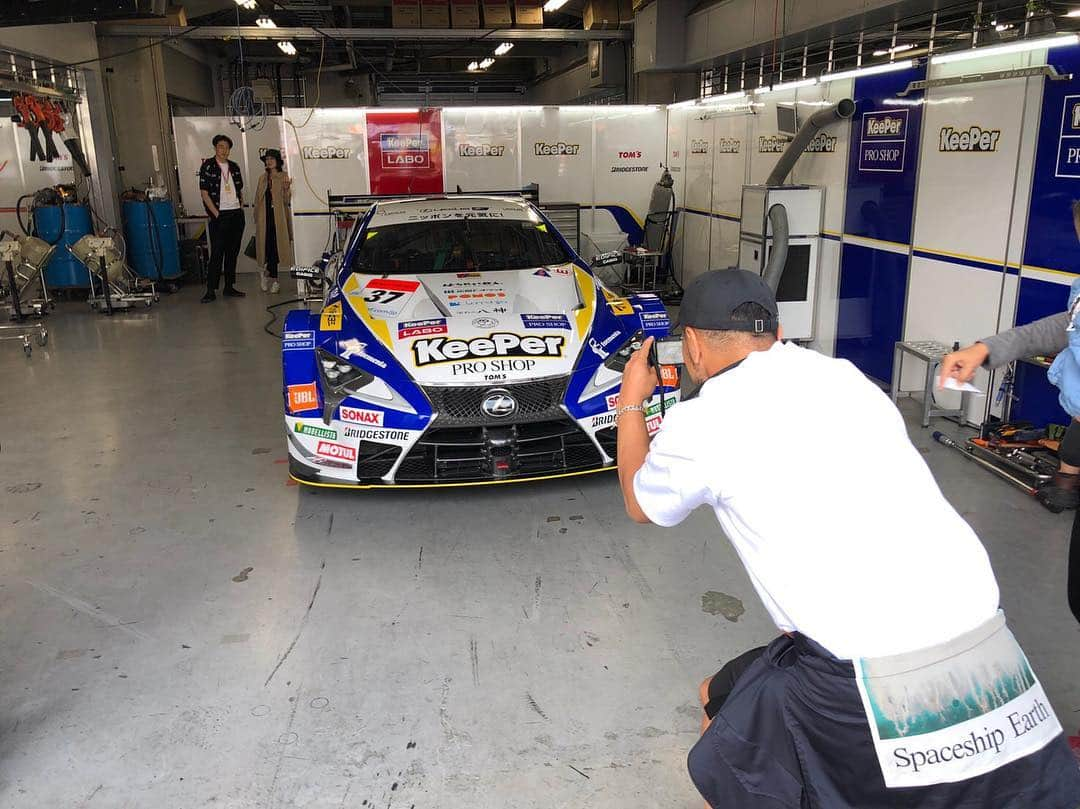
column 431, row 209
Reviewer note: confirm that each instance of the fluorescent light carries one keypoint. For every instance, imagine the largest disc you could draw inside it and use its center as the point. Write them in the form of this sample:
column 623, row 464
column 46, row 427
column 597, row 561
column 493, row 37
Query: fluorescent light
column 473, row 66
column 681, row 105
column 907, row 46
column 1002, row 27
column 265, row 22
column 1074, row 13
column 554, row 5
column 287, row 47
column 486, row 63
column 250, row 5
column 871, row 70
column 504, row 48
column 1055, row 41
column 787, row 85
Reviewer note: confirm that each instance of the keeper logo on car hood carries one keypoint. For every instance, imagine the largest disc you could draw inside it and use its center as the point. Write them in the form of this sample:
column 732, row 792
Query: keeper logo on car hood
column 429, row 350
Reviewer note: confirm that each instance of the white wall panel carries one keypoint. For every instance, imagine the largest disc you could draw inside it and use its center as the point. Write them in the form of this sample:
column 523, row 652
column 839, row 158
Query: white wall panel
column 828, row 289
column 481, row 148
column 826, row 164
column 569, row 174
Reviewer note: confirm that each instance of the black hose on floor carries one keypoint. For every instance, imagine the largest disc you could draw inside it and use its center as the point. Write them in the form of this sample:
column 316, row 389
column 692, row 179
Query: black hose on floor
column 273, row 315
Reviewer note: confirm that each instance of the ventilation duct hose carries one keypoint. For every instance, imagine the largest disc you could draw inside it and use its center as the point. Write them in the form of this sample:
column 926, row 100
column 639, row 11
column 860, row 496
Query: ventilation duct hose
column 774, row 268
column 840, row 111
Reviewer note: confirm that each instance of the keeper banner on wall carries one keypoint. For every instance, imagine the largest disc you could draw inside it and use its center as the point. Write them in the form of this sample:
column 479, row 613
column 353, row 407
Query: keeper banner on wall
column 405, row 152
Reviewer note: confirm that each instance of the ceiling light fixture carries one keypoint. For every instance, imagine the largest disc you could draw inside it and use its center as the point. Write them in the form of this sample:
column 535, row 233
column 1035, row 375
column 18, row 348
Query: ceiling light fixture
column 504, row 48
column 1013, row 47
column 287, row 48
column 1074, row 13
column 907, row 46
column 486, row 63
column 473, row 66
column 787, row 85
column 265, row 22
column 250, row 5
column 871, row 70
column 554, row 5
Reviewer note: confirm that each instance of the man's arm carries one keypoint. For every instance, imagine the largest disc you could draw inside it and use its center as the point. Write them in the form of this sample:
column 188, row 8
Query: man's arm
column 209, row 203
column 638, row 384
column 1045, row 336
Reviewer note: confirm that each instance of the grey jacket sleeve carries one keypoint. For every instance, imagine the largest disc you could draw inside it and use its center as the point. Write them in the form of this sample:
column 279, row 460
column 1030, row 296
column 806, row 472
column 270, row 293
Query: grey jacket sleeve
column 1040, row 337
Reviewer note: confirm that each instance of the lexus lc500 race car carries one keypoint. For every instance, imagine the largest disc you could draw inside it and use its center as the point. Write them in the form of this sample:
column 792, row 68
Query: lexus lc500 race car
column 461, row 340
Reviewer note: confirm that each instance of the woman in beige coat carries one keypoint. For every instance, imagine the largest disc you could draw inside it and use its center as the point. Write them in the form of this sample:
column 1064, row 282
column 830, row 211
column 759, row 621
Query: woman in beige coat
column 273, row 225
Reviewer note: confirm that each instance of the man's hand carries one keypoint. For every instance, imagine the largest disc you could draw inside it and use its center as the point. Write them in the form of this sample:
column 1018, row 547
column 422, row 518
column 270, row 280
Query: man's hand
column 639, row 378
column 962, row 364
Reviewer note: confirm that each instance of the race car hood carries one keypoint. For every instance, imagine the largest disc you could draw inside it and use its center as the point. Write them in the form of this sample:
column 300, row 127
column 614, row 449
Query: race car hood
column 478, row 327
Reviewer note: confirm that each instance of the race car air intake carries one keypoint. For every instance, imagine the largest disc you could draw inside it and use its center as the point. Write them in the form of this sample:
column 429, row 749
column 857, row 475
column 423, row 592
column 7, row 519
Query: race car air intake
column 839, row 111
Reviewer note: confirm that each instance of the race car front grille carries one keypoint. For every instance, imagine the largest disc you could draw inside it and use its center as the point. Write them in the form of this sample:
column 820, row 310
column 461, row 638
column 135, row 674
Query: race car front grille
column 608, row 439
column 539, row 400
column 375, row 460
column 492, row 453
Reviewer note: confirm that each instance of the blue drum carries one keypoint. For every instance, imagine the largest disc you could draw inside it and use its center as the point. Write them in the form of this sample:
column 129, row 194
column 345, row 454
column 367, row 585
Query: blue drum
column 153, row 250
column 63, row 226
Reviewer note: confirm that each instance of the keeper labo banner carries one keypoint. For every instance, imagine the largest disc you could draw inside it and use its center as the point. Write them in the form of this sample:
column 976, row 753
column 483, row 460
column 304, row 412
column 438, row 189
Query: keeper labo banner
column 405, row 152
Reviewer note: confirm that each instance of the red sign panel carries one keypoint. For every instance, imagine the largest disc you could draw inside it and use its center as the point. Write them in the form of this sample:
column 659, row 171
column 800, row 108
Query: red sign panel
column 405, row 152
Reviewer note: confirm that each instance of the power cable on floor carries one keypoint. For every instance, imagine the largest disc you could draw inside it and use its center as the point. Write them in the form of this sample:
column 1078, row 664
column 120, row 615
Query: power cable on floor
column 273, row 315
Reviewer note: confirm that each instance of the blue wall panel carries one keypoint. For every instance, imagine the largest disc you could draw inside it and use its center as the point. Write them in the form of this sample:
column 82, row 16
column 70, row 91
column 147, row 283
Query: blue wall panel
column 879, row 204
column 1036, row 399
column 873, row 284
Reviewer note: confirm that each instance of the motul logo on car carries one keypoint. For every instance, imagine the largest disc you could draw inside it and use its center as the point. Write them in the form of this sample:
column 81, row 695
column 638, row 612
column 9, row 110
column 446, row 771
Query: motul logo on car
column 339, row 451
column 480, row 150
column 326, row 152
column 877, row 127
column 500, row 344
column 974, row 139
column 357, row 416
column 629, row 155
column 555, row 149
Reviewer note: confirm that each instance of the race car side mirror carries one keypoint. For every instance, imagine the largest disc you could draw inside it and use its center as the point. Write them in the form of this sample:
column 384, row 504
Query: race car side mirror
column 606, row 259
column 307, row 273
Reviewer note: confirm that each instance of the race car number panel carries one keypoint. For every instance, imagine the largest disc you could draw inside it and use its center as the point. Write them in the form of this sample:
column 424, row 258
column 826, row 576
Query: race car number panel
column 387, row 297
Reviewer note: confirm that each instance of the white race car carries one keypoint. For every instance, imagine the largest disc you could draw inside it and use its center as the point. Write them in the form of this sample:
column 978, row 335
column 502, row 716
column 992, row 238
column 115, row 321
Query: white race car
column 461, row 341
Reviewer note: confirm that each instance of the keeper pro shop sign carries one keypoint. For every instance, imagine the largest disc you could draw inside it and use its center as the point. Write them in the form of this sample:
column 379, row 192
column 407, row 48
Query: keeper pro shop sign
column 405, row 152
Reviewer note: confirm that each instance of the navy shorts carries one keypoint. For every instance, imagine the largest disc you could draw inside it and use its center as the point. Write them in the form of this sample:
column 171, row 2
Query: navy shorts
column 792, row 734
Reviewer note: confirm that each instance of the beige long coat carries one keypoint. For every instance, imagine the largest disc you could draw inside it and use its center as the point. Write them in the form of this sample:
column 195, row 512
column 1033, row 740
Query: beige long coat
column 282, row 220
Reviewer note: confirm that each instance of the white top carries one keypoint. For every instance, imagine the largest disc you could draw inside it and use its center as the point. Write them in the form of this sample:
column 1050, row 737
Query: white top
column 229, row 200
column 834, row 513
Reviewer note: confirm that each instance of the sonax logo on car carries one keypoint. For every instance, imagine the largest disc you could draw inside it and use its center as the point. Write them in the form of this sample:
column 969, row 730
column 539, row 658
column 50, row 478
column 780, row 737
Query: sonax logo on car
column 556, row 149
column 884, row 125
column 973, row 139
column 338, row 451
column 545, row 322
column 404, row 151
column 822, row 143
column 431, row 350
column 303, row 397
column 326, row 152
column 317, row 432
column 480, row 150
column 699, row 146
column 421, row 328
column 355, row 415
column 728, row 145
column 378, row 435
column 612, row 401
column 770, row 144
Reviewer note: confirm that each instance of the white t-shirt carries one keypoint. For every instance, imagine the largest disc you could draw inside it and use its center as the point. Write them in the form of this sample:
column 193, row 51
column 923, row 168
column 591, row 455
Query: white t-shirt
column 229, row 200
column 834, row 513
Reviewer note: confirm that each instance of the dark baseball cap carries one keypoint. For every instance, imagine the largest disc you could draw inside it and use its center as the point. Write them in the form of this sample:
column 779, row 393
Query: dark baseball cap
column 710, row 300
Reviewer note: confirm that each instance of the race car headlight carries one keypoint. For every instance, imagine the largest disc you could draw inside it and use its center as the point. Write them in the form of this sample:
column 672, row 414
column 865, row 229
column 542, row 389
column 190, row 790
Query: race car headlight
column 341, row 379
column 610, row 370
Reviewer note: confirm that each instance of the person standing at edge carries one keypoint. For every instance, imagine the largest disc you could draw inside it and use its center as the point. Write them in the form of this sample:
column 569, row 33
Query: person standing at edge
column 896, row 681
column 273, row 235
column 222, row 190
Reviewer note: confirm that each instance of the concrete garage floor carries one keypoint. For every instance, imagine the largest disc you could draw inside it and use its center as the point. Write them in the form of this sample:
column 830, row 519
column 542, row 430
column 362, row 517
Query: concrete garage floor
column 183, row 628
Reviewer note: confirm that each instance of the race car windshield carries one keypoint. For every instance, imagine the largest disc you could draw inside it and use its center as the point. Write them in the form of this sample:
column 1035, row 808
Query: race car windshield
column 457, row 245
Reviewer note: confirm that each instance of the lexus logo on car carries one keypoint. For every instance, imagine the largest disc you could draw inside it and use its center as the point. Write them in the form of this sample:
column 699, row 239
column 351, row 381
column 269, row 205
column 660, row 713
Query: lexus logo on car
column 499, row 404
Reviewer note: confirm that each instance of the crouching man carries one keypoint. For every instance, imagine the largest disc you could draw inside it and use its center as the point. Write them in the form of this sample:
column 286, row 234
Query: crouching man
column 896, row 681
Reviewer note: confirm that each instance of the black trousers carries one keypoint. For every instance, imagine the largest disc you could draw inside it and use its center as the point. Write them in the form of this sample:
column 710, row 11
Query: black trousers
column 270, row 247
column 226, row 233
column 1073, row 585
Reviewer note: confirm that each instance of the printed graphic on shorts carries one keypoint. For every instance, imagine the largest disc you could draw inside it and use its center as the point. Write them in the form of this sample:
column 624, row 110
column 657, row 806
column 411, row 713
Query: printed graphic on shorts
column 958, row 718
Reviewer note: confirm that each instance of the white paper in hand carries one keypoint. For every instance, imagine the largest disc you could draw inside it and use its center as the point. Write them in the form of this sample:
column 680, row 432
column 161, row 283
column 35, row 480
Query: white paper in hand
column 951, row 383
